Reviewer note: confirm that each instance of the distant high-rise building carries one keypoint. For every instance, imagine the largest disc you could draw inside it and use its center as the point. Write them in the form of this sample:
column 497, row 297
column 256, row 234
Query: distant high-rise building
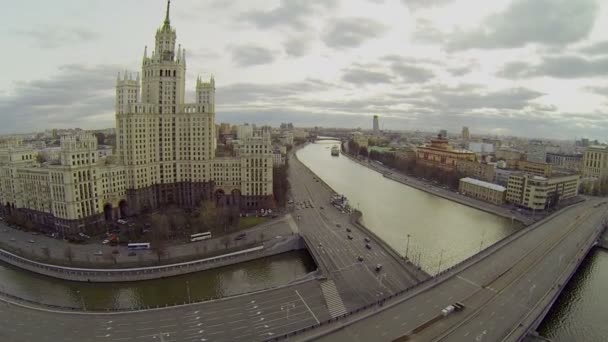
column 376, row 125
column 465, row 133
column 443, row 133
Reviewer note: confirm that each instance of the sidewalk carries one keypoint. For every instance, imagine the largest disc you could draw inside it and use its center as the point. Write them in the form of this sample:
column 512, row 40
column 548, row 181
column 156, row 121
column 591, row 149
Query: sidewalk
column 83, row 255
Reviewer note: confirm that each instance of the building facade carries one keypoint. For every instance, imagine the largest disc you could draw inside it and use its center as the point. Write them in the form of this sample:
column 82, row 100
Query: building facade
column 595, row 162
column 539, row 193
column 165, row 154
column 481, row 190
column 536, row 151
column 474, row 169
column 466, row 135
column 565, row 161
column 376, row 126
column 440, row 154
column 77, row 191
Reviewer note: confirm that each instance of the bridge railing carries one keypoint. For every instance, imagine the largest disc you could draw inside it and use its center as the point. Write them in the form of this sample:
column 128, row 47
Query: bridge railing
column 420, row 287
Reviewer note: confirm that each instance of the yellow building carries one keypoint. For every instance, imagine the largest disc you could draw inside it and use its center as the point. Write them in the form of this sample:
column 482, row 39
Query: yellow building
column 440, row 154
column 472, row 168
column 595, row 162
column 488, row 192
column 535, row 168
column 539, row 193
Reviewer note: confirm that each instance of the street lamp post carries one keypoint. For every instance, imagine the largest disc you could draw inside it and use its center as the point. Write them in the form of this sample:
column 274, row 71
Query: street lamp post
column 188, row 291
column 440, row 260
column 407, row 246
column 84, row 307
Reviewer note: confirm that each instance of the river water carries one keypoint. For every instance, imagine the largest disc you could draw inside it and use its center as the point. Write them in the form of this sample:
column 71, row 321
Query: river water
column 450, row 232
column 230, row 280
column 442, row 233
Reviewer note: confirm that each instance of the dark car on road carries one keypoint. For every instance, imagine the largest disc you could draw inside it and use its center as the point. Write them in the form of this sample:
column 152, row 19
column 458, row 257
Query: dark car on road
column 240, row 236
column 350, row 237
column 360, row 258
column 367, row 239
column 368, row 246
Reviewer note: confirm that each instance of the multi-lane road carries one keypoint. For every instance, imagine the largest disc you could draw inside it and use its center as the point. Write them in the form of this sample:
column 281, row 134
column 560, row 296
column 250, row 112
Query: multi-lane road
column 347, row 284
column 501, row 292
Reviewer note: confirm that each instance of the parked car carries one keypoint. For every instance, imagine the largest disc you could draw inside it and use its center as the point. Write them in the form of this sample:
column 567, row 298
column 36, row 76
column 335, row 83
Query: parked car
column 240, row 236
column 348, row 230
column 105, row 242
column 13, row 239
column 378, row 267
column 360, row 258
column 367, row 239
column 31, row 241
column 350, row 237
column 368, row 246
column 99, row 253
column 122, row 221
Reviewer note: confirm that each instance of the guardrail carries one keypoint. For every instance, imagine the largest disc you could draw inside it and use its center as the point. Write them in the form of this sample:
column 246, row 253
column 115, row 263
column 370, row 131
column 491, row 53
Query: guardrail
column 425, row 285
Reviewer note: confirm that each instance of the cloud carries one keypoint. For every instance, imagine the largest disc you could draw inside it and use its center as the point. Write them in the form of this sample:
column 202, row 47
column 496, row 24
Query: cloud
column 419, row 4
column 361, row 76
column 567, row 67
column 411, row 69
column 351, row 32
column 77, row 96
column 288, row 13
column 548, row 22
column 599, row 48
column 250, row 55
column 54, row 37
column 297, row 46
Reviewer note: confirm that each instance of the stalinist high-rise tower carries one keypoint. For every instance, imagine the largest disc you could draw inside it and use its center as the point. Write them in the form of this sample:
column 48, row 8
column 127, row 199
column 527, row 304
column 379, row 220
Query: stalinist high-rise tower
column 168, row 145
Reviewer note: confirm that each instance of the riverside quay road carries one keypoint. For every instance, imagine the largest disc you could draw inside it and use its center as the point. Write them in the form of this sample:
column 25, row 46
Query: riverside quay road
column 505, row 290
column 347, row 282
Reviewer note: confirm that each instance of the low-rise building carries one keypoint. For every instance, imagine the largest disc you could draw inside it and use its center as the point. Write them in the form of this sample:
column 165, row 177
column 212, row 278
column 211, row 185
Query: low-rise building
column 506, row 153
column 565, row 161
column 472, row 168
column 535, row 168
column 539, row 193
column 440, row 154
column 485, row 191
column 501, row 175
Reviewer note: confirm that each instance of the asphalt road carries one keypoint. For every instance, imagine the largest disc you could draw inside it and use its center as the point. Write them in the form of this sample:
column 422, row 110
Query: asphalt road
column 498, row 292
column 250, row 317
column 245, row 318
column 357, row 282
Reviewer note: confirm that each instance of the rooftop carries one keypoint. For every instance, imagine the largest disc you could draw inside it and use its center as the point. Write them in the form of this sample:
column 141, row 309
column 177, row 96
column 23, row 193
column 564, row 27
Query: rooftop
column 483, row 184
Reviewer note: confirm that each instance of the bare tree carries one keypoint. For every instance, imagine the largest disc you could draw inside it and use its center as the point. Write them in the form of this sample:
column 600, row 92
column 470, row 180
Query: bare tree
column 68, row 253
column 159, row 234
column 46, row 252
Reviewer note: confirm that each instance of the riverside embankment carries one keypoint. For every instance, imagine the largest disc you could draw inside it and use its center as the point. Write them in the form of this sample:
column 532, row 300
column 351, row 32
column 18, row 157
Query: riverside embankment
column 270, row 248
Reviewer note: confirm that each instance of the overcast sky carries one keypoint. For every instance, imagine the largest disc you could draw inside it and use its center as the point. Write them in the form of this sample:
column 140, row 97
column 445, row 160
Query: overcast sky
column 508, row 67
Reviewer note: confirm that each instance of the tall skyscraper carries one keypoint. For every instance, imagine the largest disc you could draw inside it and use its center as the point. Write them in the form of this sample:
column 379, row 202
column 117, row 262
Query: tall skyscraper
column 465, row 133
column 376, row 125
column 165, row 155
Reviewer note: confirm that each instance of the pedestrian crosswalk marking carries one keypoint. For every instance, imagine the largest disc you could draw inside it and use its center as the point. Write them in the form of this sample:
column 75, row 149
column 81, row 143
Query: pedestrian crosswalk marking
column 332, row 298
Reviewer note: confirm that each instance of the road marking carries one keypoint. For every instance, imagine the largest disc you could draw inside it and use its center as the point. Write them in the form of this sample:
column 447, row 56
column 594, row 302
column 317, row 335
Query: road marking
column 312, row 313
column 468, row 281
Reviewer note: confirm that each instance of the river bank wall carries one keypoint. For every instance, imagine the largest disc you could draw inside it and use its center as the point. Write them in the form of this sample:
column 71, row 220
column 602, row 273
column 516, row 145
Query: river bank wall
column 278, row 246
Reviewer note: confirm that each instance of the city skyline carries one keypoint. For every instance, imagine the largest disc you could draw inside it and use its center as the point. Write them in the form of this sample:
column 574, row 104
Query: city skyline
column 331, row 65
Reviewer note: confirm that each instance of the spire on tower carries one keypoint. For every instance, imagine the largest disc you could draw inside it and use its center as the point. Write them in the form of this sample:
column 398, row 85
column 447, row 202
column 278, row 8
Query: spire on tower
column 167, row 21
